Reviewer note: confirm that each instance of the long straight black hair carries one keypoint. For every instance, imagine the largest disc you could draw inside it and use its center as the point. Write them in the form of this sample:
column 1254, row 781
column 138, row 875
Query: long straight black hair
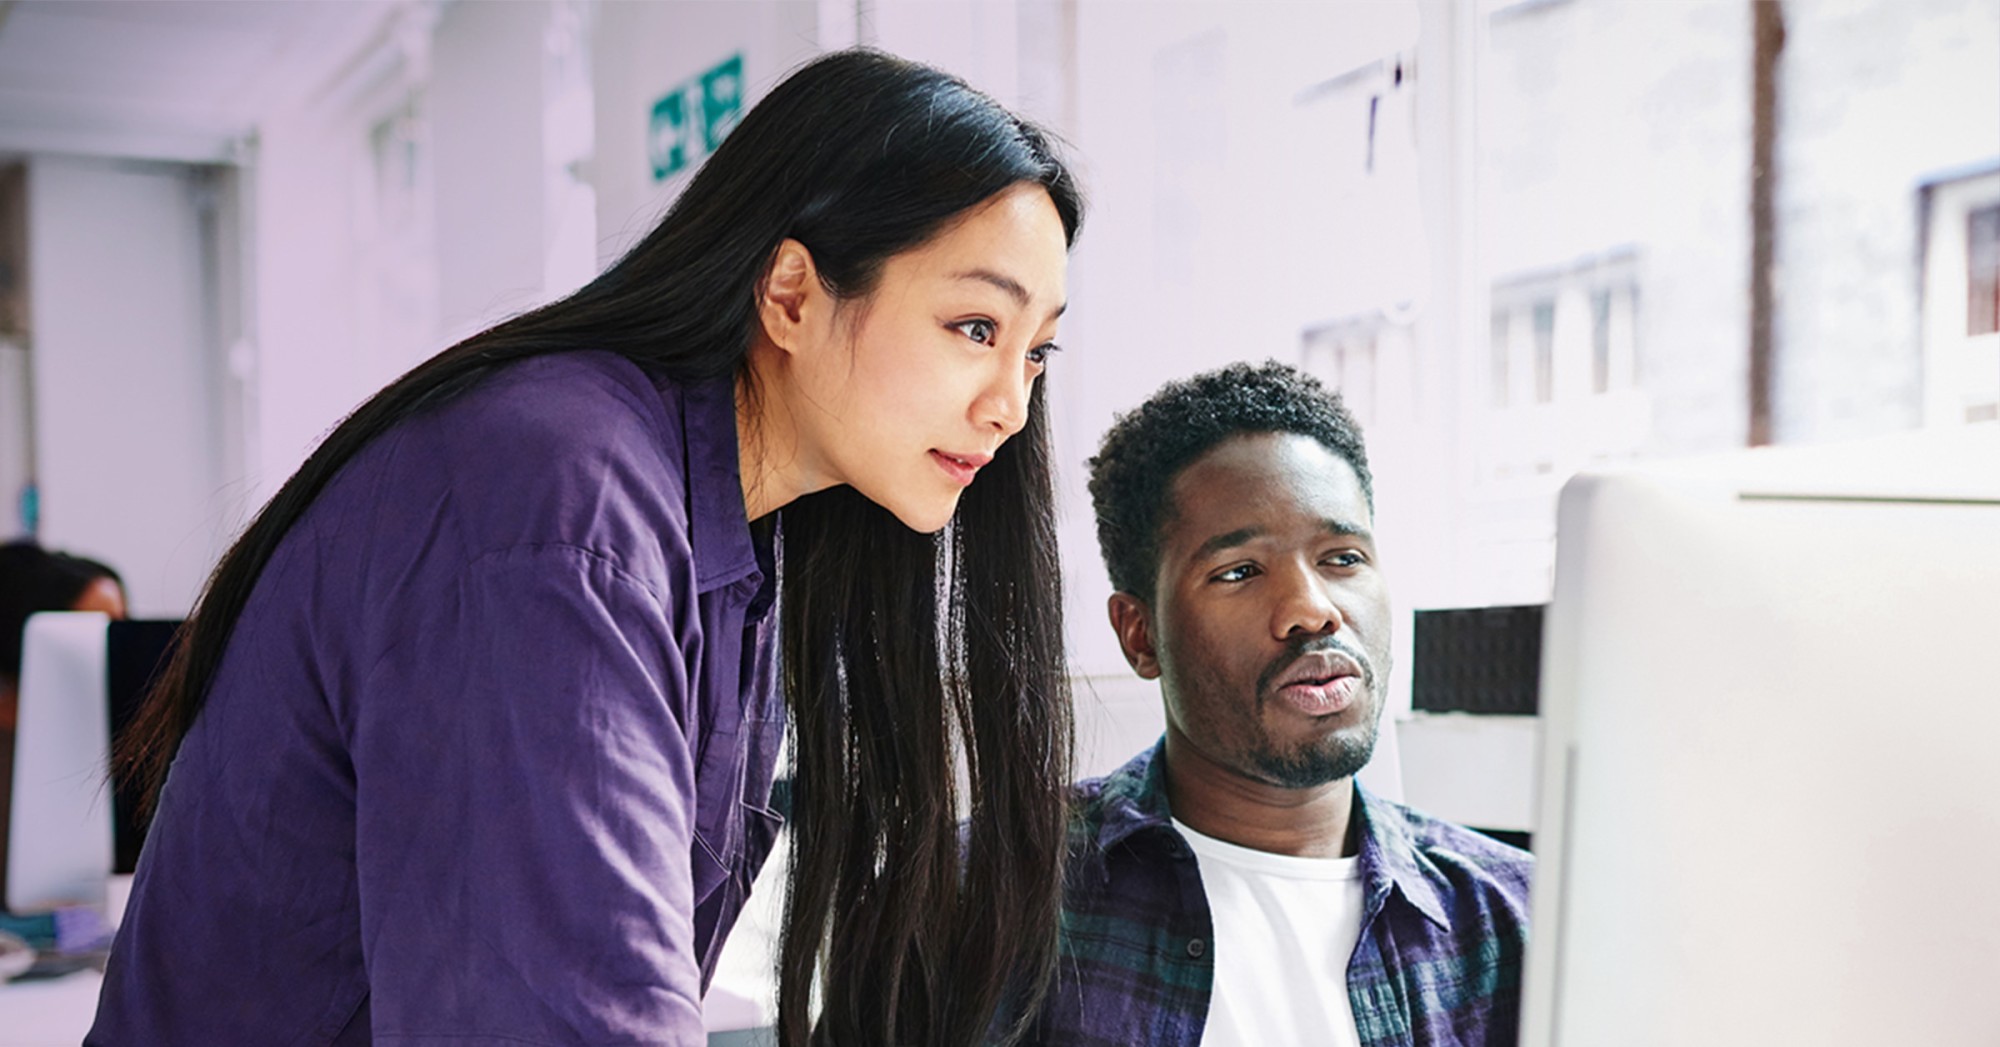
column 908, row 659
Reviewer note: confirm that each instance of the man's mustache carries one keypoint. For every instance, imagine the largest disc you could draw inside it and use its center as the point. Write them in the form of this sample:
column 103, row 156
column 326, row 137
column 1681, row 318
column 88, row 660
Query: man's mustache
column 1299, row 647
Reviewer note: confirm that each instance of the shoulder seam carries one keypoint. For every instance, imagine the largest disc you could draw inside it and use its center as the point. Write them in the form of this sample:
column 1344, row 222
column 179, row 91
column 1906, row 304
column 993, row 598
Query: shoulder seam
column 600, row 557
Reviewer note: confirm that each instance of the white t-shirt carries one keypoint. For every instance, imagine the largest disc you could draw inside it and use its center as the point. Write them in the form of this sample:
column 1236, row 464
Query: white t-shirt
column 1284, row 929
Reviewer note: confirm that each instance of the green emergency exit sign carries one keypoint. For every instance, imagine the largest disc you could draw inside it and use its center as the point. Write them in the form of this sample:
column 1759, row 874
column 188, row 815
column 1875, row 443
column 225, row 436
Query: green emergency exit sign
column 693, row 117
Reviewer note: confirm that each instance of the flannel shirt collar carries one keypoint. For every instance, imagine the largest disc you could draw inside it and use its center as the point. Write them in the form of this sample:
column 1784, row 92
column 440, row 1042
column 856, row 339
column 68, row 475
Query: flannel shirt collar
column 1134, row 800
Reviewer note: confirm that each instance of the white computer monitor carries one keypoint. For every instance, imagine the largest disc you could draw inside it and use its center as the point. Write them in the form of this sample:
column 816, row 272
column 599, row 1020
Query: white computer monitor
column 1770, row 773
column 59, row 848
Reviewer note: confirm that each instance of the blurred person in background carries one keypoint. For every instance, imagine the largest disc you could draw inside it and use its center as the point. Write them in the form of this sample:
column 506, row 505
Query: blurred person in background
column 34, row 579
column 473, row 733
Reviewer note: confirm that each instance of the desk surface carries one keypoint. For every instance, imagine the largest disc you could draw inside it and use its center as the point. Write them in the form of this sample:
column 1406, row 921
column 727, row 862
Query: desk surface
column 50, row 1012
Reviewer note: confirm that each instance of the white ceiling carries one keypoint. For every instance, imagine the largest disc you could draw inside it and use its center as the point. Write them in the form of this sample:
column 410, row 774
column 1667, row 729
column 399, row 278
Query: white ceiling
column 168, row 79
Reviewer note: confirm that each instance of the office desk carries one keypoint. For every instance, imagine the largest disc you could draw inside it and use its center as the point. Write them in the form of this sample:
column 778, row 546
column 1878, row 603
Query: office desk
column 51, row 1012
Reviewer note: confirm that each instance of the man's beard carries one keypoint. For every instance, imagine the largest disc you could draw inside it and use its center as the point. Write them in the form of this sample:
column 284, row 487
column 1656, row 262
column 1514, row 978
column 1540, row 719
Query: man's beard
column 1329, row 759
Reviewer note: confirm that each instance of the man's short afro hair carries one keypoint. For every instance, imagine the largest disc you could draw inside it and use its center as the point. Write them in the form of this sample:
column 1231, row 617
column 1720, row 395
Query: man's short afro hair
column 1132, row 476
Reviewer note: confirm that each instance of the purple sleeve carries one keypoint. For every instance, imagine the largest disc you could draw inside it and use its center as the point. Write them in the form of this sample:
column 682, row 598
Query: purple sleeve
column 524, row 796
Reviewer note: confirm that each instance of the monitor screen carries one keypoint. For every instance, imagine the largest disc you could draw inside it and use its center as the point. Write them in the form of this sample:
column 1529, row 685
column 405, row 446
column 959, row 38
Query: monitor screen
column 71, row 821
column 1769, row 789
column 135, row 653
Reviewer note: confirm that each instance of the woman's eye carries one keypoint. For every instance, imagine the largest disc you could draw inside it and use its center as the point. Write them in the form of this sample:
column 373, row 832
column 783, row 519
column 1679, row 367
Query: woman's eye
column 1041, row 353
column 981, row 331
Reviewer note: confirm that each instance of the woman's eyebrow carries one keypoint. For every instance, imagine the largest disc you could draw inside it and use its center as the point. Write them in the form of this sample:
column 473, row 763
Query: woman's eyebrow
column 1005, row 283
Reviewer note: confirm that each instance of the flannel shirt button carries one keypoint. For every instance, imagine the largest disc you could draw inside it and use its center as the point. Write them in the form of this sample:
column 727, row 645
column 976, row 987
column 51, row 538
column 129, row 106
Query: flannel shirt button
column 1196, row 947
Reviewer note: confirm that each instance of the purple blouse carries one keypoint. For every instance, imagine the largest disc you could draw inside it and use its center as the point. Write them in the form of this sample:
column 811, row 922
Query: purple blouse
column 489, row 756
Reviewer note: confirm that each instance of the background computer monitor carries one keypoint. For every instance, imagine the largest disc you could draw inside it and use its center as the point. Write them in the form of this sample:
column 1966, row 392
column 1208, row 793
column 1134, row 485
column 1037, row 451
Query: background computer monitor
column 71, row 823
column 1770, row 773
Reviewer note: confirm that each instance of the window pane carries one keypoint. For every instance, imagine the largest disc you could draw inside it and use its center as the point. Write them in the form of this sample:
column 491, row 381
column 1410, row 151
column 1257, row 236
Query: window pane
column 1982, row 266
column 1545, row 351
column 1600, row 340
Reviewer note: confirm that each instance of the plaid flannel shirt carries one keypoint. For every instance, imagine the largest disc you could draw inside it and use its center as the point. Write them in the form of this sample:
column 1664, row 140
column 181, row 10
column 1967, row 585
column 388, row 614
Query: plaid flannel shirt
column 1443, row 939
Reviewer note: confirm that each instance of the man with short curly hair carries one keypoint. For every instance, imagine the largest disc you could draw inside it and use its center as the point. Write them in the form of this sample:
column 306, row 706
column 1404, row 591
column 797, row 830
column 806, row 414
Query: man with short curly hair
column 1233, row 885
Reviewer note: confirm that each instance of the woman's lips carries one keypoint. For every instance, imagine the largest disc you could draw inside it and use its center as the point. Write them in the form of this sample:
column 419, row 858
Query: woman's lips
column 961, row 468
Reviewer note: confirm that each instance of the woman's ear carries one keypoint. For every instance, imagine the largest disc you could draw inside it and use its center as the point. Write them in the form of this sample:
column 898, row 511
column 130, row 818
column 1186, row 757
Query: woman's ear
column 790, row 298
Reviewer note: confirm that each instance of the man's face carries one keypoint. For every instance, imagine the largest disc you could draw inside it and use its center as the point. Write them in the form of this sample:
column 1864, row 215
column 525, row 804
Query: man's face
column 1269, row 629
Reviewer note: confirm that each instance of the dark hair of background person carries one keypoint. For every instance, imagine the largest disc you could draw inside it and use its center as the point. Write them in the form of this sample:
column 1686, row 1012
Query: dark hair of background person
column 34, row 579
column 1132, row 475
column 859, row 156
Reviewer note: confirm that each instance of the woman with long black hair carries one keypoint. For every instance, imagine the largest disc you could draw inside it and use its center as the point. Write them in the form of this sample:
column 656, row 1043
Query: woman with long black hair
column 472, row 735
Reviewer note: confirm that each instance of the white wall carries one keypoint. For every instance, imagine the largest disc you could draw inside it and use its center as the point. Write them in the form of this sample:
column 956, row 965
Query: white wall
column 1213, row 195
column 979, row 41
column 127, row 445
column 642, row 50
column 409, row 204
column 309, row 369
column 484, row 114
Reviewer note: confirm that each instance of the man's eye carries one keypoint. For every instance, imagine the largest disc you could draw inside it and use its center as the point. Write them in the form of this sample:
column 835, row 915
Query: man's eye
column 1347, row 559
column 1041, row 353
column 1239, row 573
column 981, row 331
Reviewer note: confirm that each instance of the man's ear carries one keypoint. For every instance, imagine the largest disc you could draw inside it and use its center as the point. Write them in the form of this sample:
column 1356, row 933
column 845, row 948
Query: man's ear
column 1133, row 622
column 790, row 298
